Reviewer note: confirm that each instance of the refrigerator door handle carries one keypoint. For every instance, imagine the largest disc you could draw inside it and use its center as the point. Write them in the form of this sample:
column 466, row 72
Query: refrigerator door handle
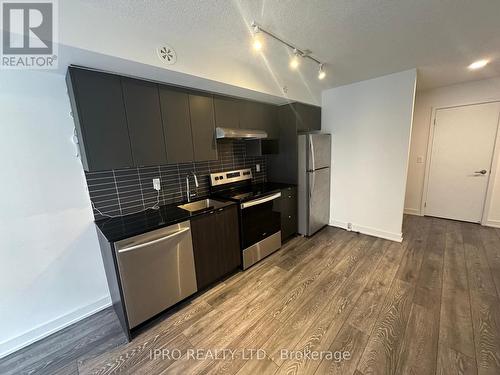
column 311, row 187
column 311, row 150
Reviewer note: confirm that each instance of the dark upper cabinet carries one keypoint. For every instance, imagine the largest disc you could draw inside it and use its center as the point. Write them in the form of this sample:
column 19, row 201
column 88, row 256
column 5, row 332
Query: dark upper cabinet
column 201, row 108
column 270, row 120
column 292, row 118
column 100, row 120
column 215, row 245
column 246, row 114
column 142, row 106
column 308, row 117
column 227, row 112
column 251, row 115
column 176, row 125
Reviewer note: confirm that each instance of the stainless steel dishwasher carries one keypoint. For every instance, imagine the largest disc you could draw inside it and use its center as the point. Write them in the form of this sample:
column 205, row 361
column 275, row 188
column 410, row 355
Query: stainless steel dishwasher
column 156, row 271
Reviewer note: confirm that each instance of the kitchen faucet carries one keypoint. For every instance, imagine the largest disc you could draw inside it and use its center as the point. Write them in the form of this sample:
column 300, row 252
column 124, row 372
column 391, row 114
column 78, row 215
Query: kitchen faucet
column 188, row 191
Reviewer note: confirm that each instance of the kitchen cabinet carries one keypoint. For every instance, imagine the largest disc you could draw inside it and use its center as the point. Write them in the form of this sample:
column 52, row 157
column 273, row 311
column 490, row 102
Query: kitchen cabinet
column 100, row 121
column 176, row 124
column 261, row 147
column 246, row 114
column 142, row 107
column 229, row 239
column 216, row 246
column 288, row 211
column 251, row 115
column 292, row 119
column 308, row 117
column 227, row 112
column 270, row 120
column 201, row 108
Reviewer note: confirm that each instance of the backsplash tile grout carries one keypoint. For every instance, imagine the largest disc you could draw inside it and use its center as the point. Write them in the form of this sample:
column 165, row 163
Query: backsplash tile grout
column 125, row 191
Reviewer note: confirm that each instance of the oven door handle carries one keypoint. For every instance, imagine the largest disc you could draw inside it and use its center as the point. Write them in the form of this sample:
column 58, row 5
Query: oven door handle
column 260, row 201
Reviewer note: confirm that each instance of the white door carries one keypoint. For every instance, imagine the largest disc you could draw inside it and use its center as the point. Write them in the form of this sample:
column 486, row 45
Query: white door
column 461, row 156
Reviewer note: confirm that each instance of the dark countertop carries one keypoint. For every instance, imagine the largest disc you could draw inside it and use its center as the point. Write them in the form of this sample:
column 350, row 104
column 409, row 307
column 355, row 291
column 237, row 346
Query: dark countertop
column 119, row 228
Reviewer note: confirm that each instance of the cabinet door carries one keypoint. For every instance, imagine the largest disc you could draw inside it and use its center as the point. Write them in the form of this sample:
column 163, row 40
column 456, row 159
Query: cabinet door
column 204, row 235
column 99, row 114
column 228, row 239
column 251, row 115
column 227, row 112
column 308, row 117
column 270, row 120
column 201, row 108
column 176, row 125
column 142, row 106
column 316, row 118
column 288, row 212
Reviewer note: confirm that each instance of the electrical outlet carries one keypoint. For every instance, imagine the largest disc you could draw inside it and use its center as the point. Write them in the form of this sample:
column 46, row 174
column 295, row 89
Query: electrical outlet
column 349, row 226
column 156, row 184
column 257, row 167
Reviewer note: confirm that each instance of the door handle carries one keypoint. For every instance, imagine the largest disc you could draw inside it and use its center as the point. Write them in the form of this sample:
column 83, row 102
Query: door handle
column 139, row 246
column 482, row 171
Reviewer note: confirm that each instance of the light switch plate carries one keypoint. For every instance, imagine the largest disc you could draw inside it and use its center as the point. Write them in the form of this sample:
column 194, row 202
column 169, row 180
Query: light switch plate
column 156, row 184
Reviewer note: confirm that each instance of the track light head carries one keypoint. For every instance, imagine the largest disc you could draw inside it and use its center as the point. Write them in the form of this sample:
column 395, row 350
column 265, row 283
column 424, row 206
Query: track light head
column 321, row 72
column 257, row 44
column 294, row 61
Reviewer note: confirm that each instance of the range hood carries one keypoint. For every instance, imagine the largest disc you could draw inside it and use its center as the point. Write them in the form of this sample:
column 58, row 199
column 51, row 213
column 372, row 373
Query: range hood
column 232, row 133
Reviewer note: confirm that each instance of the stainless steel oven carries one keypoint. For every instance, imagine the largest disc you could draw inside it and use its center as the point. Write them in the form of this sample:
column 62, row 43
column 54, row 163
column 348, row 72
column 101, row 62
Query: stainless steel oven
column 260, row 219
column 260, row 228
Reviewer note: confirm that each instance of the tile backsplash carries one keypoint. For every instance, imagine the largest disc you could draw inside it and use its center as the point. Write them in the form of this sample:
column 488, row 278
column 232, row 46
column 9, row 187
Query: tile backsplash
column 124, row 191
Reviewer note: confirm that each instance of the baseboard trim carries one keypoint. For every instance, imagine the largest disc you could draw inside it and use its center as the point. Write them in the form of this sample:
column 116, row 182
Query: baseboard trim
column 15, row 343
column 412, row 211
column 397, row 237
column 492, row 223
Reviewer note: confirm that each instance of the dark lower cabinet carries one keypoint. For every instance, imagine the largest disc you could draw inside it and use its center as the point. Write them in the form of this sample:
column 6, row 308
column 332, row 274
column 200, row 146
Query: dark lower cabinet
column 288, row 210
column 142, row 106
column 215, row 245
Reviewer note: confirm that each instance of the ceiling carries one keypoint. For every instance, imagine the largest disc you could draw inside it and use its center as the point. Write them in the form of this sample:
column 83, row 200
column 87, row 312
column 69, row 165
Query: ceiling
column 357, row 39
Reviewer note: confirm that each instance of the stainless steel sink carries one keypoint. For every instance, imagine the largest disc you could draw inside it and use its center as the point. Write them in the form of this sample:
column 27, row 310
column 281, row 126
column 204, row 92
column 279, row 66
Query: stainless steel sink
column 203, row 204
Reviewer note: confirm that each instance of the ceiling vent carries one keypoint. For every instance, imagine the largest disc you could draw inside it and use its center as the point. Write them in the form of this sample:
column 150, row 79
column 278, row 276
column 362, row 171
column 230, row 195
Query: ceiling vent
column 167, row 54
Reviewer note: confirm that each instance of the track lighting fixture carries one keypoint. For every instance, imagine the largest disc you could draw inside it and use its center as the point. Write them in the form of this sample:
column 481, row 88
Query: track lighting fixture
column 297, row 53
column 321, row 72
column 294, row 61
column 257, row 44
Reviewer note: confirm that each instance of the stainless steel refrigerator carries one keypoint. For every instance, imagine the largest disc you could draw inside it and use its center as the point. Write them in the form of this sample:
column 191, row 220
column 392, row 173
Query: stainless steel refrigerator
column 314, row 182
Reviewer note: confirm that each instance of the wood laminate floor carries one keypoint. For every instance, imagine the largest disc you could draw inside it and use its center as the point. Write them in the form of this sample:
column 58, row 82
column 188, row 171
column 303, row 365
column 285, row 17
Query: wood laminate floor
column 429, row 305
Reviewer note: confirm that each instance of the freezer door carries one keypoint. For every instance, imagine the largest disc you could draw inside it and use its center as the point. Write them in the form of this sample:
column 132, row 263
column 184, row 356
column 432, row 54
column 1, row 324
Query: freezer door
column 319, row 200
column 318, row 151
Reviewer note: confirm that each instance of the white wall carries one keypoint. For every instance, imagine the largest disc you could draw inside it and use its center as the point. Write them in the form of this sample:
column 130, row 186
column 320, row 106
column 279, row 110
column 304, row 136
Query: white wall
column 51, row 271
column 425, row 104
column 370, row 122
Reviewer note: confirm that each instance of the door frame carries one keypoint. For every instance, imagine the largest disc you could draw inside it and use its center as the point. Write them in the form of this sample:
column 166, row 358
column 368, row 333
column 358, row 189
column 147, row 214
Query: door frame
column 493, row 166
